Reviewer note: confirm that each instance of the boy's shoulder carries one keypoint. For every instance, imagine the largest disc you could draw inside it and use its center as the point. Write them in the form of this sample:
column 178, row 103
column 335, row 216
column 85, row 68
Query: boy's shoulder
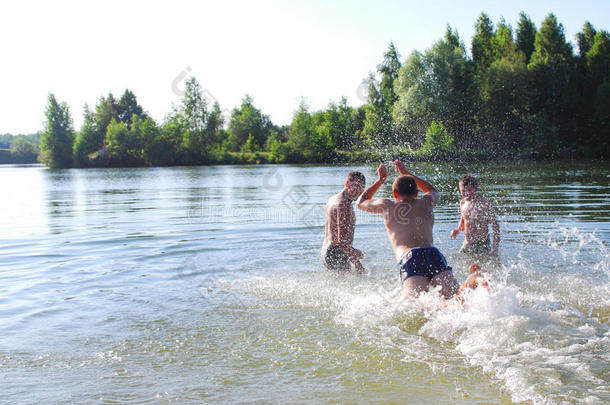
column 343, row 202
column 484, row 202
column 335, row 201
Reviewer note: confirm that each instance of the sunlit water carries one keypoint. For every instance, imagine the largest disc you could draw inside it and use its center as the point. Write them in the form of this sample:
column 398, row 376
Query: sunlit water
column 205, row 285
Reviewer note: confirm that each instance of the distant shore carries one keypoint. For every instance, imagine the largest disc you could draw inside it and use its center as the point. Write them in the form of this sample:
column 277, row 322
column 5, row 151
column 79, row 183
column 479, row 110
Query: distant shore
column 9, row 158
column 340, row 157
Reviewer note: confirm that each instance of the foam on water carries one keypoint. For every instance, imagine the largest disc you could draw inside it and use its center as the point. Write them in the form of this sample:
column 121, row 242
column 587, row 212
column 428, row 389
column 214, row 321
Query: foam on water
column 536, row 351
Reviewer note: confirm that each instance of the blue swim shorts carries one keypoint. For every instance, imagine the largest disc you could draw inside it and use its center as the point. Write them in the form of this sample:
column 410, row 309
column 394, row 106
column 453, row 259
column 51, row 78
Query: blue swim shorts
column 425, row 261
column 335, row 259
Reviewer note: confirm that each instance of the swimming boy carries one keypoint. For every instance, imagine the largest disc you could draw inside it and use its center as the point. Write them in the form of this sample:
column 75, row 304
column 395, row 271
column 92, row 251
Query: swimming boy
column 477, row 215
column 409, row 222
column 337, row 250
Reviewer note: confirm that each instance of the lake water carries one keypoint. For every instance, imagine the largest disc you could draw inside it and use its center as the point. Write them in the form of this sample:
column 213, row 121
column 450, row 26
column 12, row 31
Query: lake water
column 204, row 285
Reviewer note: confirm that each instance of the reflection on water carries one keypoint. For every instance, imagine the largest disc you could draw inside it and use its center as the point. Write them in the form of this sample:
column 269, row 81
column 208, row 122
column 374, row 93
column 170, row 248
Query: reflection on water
column 204, row 284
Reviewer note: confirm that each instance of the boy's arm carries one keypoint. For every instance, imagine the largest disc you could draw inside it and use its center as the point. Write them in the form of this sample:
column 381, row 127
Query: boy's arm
column 495, row 227
column 345, row 234
column 427, row 188
column 365, row 202
column 460, row 228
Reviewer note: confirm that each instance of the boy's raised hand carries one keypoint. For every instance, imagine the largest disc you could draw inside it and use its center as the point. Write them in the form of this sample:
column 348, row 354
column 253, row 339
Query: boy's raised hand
column 382, row 172
column 400, row 166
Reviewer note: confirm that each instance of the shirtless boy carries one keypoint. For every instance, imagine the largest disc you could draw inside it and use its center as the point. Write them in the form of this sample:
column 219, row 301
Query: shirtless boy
column 477, row 215
column 409, row 222
column 337, row 251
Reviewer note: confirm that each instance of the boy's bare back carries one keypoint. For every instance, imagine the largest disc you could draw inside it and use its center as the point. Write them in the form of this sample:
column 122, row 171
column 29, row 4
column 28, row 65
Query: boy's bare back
column 409, row 224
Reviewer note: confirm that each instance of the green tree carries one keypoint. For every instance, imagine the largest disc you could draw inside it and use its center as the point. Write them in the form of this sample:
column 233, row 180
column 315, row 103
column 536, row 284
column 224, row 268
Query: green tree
column 438, row 141
column 152, row 148
column 133, row 145
column 378, row 127
column 598, row 66
column 193, row 113
column 250, row 145
column 601, row 121
column 106, row 110
column 482, row 49
column 388, row 70
column 248, row 120
column 453, row 38
column 92, row 136
column 526, row 36
column 550, row 46
column 122, row 145
column 167, row 147
column 411, row 111
column 502, row 42
column 88, row 139
column 173, row 132
column 598, row 58
column 586, row 87
column 504, row 93
column 343, row 123
column 322, row 148
column 274, row 147
column 375, row 127
column 128, row 106
column 21, row 146
column 585, row 38
column 552, row 68
column 214, row 123
column 301, row 128
column 301, row 131
column 438, row 85
column 58, row 135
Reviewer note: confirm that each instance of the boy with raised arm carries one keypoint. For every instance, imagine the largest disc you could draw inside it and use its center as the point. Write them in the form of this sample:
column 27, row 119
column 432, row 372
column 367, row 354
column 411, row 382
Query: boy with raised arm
column 337, row 250
column 409, row 221
column 477, row 215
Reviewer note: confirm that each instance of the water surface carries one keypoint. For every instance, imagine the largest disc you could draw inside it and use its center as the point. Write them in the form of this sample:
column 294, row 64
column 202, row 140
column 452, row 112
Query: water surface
column 204, row 285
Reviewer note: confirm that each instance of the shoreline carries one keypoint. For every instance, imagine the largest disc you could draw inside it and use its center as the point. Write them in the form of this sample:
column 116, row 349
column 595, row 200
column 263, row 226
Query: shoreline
column 245, row 161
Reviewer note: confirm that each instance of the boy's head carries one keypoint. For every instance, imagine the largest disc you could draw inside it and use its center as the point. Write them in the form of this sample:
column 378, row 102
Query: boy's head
column 405, row 186
column 468, row 186
column 355, row 184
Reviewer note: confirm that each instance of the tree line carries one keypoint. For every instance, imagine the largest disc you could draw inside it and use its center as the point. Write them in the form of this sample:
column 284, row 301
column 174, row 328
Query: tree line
column 521, row 92
column 19, row 148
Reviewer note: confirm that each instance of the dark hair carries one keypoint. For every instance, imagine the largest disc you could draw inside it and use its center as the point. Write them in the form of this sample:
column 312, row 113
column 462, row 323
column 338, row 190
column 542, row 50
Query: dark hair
column 352, row 176
column 405, row 186
column 469, row 180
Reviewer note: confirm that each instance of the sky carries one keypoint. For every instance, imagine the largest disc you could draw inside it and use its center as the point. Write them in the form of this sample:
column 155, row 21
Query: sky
column 278, row 52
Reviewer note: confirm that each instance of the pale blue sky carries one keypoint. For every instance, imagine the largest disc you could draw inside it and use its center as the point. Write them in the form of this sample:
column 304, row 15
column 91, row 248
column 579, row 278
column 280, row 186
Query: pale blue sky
column 277, row 51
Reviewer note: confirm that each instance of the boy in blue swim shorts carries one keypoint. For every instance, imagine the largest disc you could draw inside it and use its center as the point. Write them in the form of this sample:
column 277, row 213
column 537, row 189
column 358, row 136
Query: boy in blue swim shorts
column 409, row 221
